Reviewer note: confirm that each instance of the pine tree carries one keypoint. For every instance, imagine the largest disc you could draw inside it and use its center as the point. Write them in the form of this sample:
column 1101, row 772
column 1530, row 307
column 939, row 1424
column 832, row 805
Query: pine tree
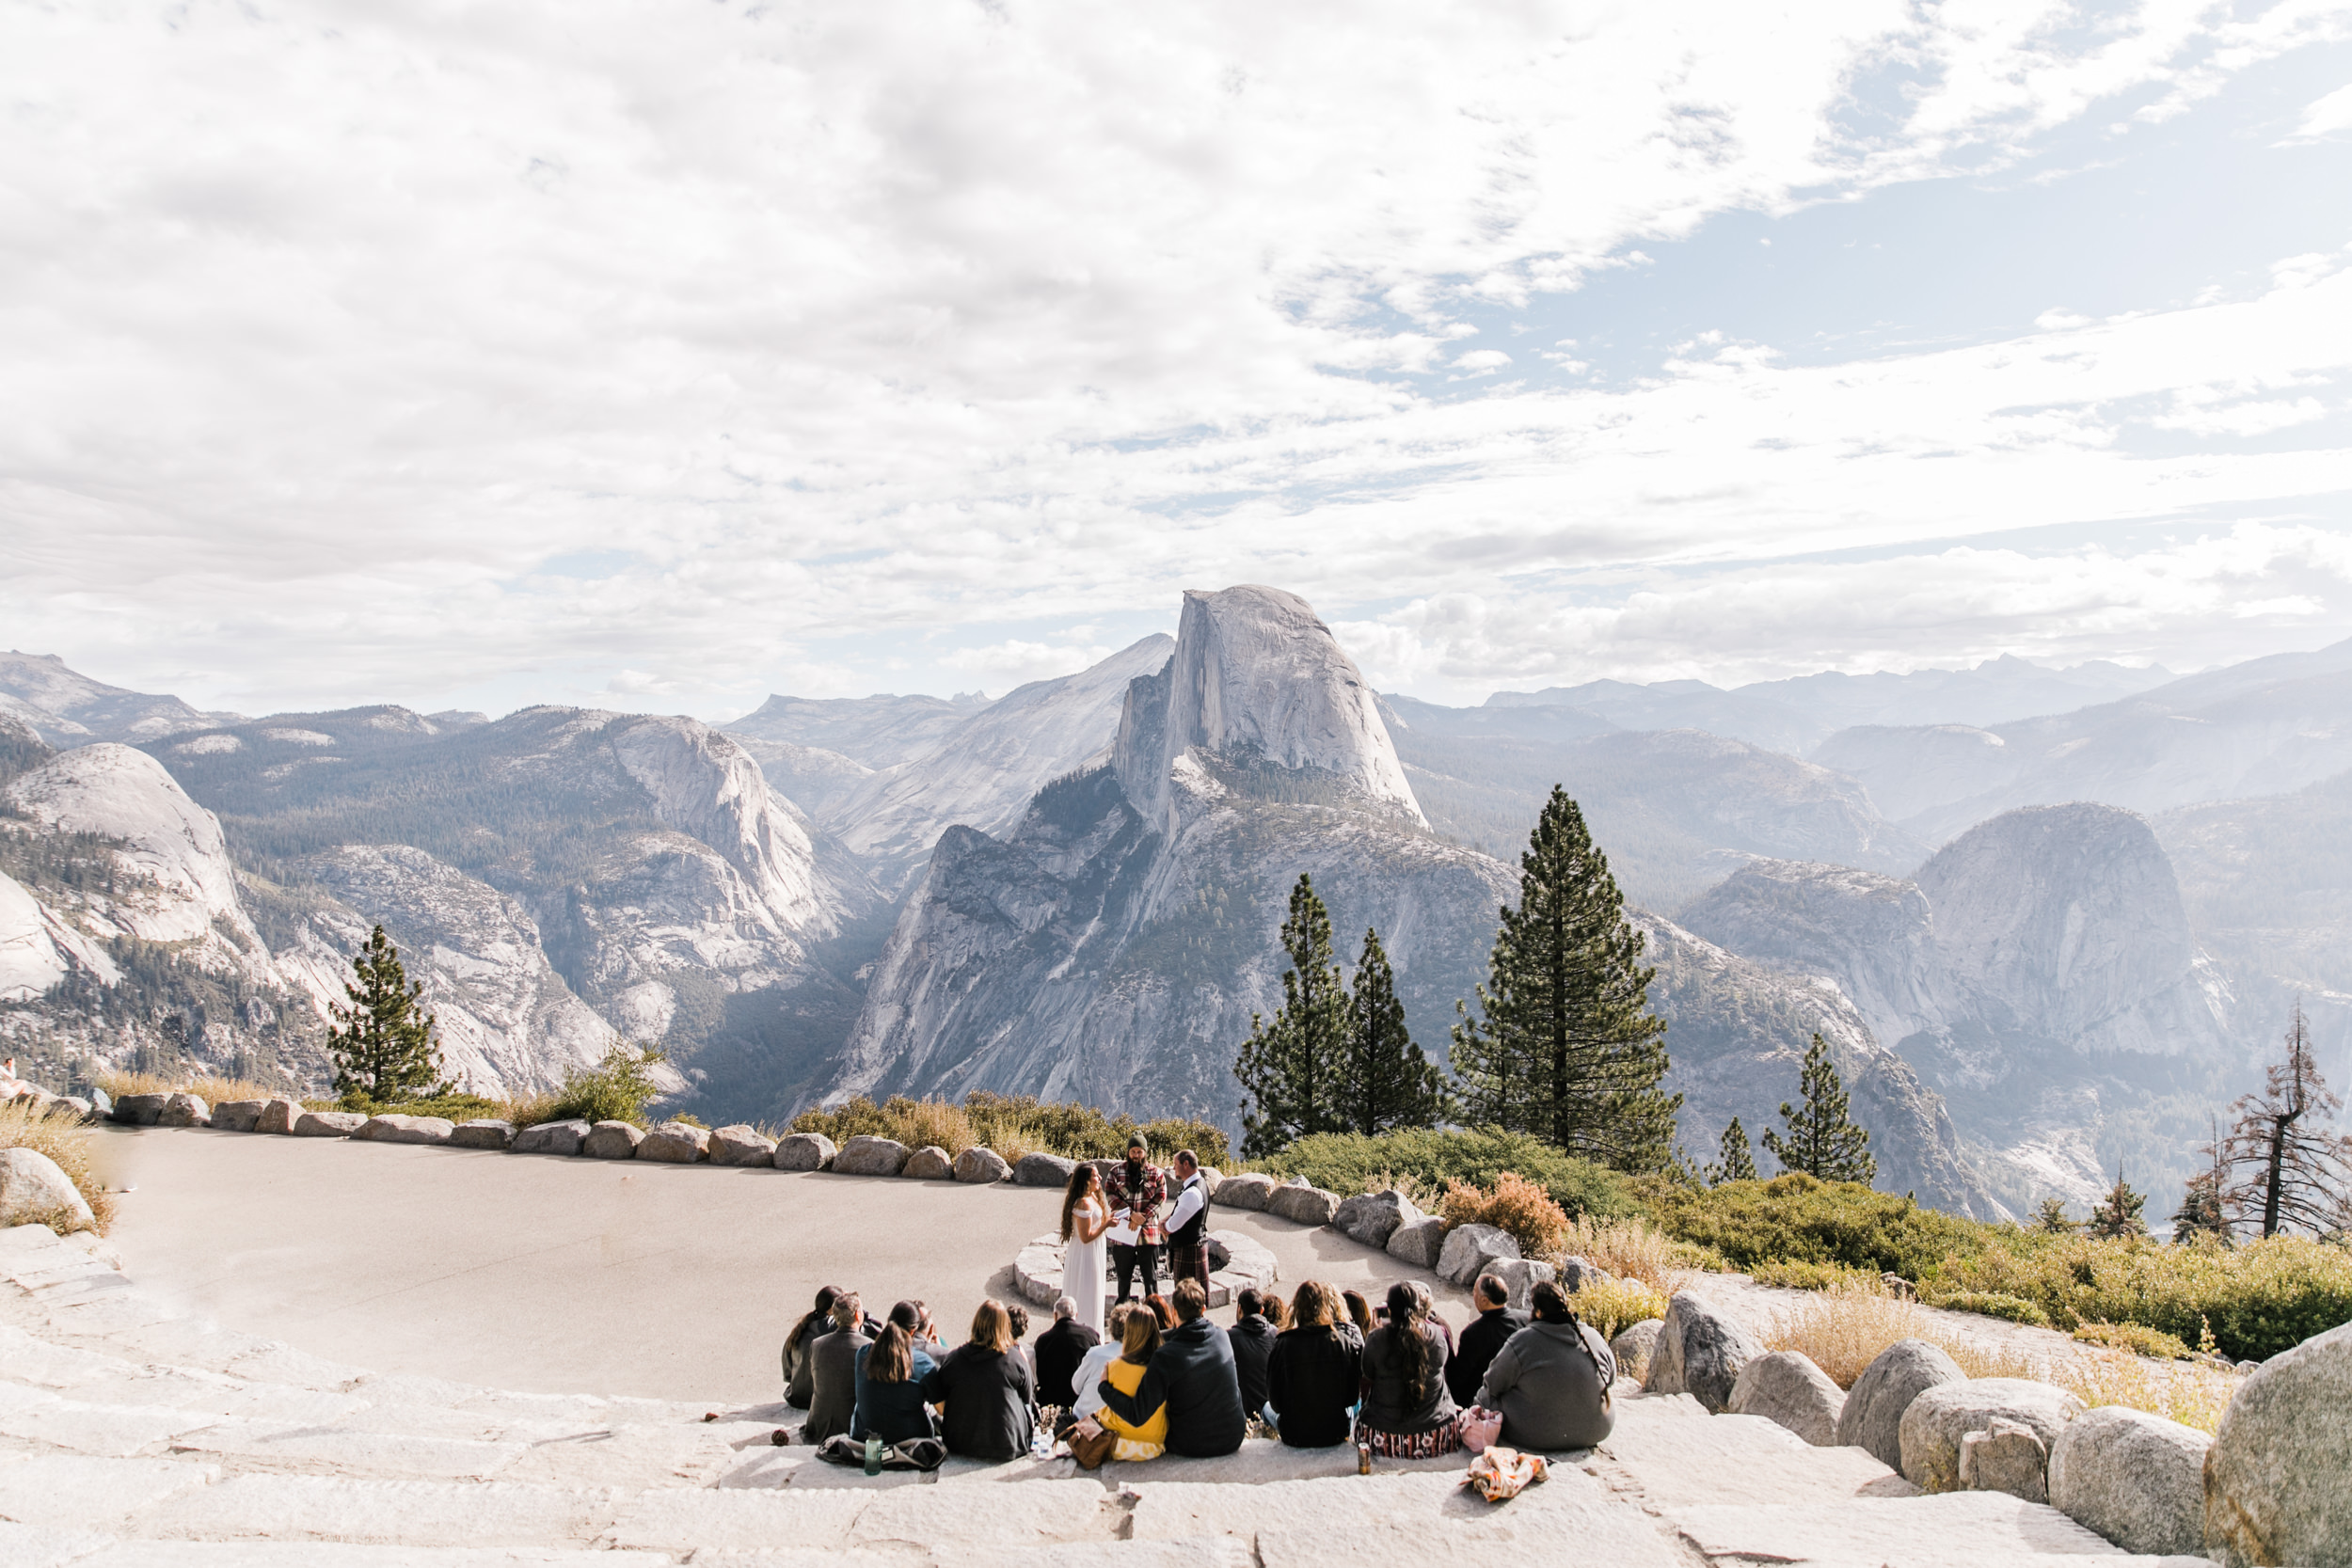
column 1564, row 1046
column 2050, row 1219
column 1293, row 1067
column 1734, row 1160
column 2204, row 1211
column 1386, row 1080
column 1821, row 1142
column 382, row 1043
column 2285, row 1167
column 2117, row 1216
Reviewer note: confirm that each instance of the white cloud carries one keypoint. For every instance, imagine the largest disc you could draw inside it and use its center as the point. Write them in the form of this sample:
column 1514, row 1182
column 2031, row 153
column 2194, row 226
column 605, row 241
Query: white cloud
column 2324, row 118
column 1014, row 662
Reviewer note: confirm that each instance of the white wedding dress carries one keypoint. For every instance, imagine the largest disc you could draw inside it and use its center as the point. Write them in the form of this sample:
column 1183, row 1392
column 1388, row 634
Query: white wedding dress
column 1083, row 1266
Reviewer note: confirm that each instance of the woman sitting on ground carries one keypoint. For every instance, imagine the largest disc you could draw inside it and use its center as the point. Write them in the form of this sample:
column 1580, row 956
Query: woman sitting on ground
column 1163, row 1311
column 796, row 1348
column 890, row 1376
column 1551, row 1380
column 1088, row 1380
column 1103, row 1434
column 1407, row 1412
column 833, row 1371
column 1314, row 1375
column 1358, row 1320
column 991, row 1404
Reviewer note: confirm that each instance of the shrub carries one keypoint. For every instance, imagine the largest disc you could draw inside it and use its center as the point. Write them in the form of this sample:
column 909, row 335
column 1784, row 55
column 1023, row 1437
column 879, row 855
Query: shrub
column 1613, row 1305
column 617, row 1089
column 61, row 1136
column 210, row 1087
column 1794, row 1218
column 1634, row 1249
column 2139, row 1340
column 1517, row 1207
column 1012, row 1126
column 1349, row 1161
column 1809, row 1276
column 1992, row 1303
column 456, row 1107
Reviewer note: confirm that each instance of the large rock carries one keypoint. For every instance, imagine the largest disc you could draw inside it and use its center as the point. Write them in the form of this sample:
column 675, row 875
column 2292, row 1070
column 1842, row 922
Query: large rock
column 1372, row 1218
column 804, row 1151
column 2137, row 1478
column 406, row 1130
column 1419, row 1242
column 1786, row 1386
column 1932, row 1427
column 612, row 1140
column 184, row 1110
column 1470, row 1248
column 2276, row 1486
column 552, row 1137
column 739, row 1145
column 140, row 1110
column 1042, row 1170
column 676, row 1143
column 1634, row 1343
column 871, row 1156
column 981, row 1166
column 483, row 1132
column 329, row 1124
column 33, row 1190
column 1699, row 1352
column 237, row 1115
column 1303, row 1205
column 278, row 1116
column 929, row 1163
column 1577, row 1273
column 2008, row 1456
column 1249, row 1190
column 1873, row 1418
column 1520, row 1275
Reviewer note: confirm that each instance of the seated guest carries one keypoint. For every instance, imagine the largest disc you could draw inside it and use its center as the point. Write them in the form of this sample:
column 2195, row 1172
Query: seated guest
column 890, row 1385
column 1254, row 1340
column 1193, row 1375
column 833, row 1371
column 1088, row 1380
column 1126, row 1439
column 1020, row 1316
column 1494, row 1324
column 1551, row 1378
column 1059, row 1350
column 1164, row 1312
column 1359, row 1316
column 990, row 1405
column 796, row 1347
column 1408, row 1412
column 1314, row 1375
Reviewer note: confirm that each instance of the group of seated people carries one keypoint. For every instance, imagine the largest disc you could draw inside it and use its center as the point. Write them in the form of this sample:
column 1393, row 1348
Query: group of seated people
column 1323, row 1368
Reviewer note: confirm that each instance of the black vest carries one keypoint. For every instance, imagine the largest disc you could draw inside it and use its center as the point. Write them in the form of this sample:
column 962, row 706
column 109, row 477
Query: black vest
column 1195, row 1229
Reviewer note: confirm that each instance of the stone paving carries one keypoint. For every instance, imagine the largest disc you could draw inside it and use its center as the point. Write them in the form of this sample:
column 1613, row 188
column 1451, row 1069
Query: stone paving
column 132, row 1434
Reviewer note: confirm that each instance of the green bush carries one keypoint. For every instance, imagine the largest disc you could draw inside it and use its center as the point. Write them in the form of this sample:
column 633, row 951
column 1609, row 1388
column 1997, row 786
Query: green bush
column 1992, row 1303
column 1345, row 1163
column 455, row 1107
column 1796, row 1219
column 2136, row 1339
column 617, row 1089
column 1810, row 1276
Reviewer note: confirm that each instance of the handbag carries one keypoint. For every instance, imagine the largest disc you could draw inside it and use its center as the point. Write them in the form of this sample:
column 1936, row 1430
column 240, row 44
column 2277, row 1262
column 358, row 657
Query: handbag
column 916, row 1453
column 1481, row 1428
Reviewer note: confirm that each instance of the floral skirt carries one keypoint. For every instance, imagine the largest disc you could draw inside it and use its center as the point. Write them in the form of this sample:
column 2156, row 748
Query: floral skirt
column 1439, row 1441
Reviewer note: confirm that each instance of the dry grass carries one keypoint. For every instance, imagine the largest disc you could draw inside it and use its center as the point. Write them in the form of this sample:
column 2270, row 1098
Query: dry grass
column 209, row 1087
column 61, row 1136
column 1844, row 1328
column 1617, row 1304
column 1630, row 1249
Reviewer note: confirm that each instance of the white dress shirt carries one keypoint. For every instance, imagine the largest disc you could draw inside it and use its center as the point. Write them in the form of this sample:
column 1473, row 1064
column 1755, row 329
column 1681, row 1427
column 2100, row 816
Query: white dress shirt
column 1190, row 1203
column 1087, row 1382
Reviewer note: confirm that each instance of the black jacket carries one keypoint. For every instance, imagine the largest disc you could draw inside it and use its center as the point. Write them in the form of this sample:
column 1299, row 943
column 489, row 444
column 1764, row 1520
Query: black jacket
column 1311, row 1379
column 1253, row 1343
column 1059, row 1350
column 991, row 1409
column 1485, row 1335
column 1192, row 1373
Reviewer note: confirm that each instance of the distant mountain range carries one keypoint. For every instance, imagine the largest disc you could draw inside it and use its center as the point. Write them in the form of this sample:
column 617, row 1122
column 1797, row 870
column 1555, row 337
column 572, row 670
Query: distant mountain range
column 2046, row 918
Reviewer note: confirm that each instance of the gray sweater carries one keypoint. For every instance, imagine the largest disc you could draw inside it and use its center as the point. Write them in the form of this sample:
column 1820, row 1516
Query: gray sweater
column 1550, row 1389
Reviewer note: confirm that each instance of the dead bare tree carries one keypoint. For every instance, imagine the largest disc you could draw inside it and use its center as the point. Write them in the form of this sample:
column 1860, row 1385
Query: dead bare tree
column 2285, row 1163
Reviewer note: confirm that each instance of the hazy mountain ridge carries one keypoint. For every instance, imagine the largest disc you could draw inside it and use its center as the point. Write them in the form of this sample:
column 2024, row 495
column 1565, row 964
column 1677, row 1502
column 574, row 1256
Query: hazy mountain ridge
column 68, row 709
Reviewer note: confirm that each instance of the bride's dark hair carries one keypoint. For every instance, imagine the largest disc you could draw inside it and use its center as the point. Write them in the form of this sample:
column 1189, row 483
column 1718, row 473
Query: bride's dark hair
column 1082, row 1182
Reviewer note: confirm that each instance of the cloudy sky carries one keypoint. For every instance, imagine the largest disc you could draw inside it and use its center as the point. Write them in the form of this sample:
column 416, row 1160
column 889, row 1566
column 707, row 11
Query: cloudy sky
column 666, row 355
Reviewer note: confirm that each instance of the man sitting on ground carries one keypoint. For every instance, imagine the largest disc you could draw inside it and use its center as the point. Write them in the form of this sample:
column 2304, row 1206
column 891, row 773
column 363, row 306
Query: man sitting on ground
column 1495, row 1322
column 1059, row 1350
column 1192, row 1373
column 1551, row 1380
column 1252, row 1339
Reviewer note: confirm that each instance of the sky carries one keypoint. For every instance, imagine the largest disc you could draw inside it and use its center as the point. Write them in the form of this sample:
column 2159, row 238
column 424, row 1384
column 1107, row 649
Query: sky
column 666, row 356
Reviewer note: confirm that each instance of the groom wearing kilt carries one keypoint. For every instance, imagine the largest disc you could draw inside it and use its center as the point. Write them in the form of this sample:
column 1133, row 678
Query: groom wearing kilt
column 1188, row 1223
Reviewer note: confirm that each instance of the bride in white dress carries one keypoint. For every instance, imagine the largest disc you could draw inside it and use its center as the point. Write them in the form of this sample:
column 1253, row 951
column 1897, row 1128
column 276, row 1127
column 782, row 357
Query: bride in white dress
column 1084, row 1216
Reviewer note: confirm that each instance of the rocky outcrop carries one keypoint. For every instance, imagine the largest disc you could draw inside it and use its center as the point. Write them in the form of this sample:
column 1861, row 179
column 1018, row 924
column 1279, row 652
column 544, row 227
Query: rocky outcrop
column 552, row 1137
column 869, row 1155
column 612, row 1140
column 1699, row 1351
column 2137, row 1478
column 1302, row 1205
column 1372, row 1218
column 742, row 1146
column 33, row 1190
column 1786, row 1387
column 804, row 1151
column 404, row 1130
column 2273, row 1476
column 929, row 1163
column 1934, row 1423
column 1470, row 1250
column 981, row 1166
column 1873, row 1416
column 1419, row 1242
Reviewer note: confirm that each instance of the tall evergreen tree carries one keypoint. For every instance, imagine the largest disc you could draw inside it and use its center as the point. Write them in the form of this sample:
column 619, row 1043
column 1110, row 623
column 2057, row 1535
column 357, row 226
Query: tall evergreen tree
column 1821, row 1141
column 2050, row 1219
column 2285, row 1167
column 1293, row 1067
column 382, row 1042
column 2117, row 1216
column 1734, row 1160
column 1563, row 1045
column 1387, row 1081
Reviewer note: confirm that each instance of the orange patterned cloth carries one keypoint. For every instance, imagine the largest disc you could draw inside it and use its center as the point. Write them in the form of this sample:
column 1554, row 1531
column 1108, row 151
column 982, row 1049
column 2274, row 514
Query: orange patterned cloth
column 1501, row 1473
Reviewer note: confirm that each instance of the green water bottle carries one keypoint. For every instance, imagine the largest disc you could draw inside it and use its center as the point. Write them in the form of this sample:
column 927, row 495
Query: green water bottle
column 873, row 1456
